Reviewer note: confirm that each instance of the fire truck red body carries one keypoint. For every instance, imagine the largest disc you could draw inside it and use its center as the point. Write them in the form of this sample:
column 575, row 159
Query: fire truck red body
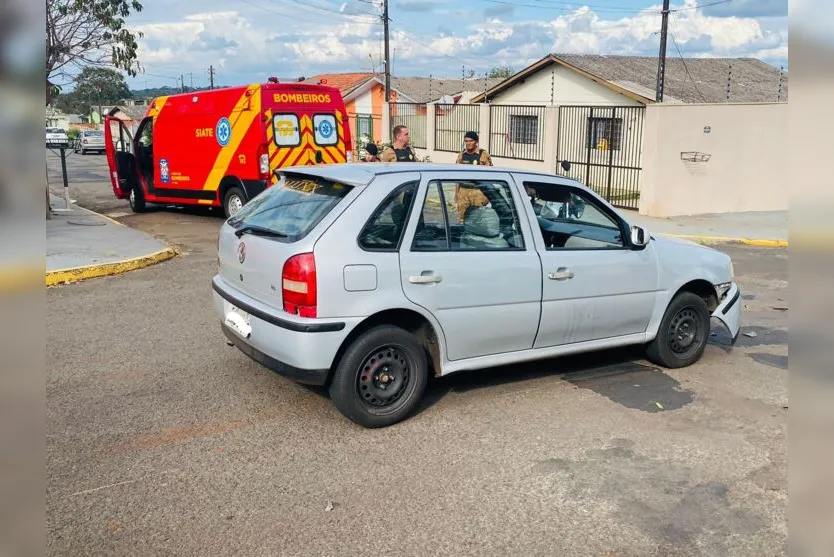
column 220, row 147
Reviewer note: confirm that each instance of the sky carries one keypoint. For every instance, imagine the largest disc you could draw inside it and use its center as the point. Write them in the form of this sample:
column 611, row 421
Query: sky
column 247, row 41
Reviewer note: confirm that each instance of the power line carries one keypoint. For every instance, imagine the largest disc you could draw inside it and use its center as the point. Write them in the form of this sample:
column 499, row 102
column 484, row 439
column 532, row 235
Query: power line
column 595, row 7
column 414, row 39
column 701, row 6
column 600, row 9
column 329, row 10
column 313, row 15
column 685, row 67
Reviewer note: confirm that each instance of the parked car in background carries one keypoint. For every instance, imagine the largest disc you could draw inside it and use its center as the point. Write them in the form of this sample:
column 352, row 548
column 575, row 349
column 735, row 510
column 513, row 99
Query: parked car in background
column 89, row 140
column 367, row 278
column 56, row 137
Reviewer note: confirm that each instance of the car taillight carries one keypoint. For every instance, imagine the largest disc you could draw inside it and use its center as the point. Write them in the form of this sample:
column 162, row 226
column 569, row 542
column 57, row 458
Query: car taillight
column 85, row 141
column 298, row 285
column 263, row 162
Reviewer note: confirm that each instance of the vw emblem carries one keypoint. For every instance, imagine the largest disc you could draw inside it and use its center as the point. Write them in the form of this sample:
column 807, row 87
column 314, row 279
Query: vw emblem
column 241, row 252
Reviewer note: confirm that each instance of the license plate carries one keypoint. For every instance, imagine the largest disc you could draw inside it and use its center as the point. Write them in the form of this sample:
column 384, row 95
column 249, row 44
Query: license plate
column 238, row 320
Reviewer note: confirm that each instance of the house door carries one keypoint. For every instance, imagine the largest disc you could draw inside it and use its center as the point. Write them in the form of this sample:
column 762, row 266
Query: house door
column 603, row 145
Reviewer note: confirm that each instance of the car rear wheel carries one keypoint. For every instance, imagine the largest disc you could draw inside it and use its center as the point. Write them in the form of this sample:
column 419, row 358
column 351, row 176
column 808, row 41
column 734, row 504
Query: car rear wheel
column 233, row 202
column 380, row 378
column 683, row 333
column 137, row 199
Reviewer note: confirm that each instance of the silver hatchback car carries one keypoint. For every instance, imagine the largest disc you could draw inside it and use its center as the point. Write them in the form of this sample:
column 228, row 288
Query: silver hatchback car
column 366, row 278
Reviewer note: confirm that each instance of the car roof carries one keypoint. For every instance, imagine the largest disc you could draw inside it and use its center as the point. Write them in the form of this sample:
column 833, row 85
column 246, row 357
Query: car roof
column 361, row 174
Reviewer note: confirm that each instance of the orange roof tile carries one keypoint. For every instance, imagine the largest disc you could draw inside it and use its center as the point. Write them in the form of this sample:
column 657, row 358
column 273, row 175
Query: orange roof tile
column 344, row 81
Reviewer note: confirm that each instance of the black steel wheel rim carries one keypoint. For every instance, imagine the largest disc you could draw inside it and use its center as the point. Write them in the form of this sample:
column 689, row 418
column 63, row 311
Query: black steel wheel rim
column 685, row 332
column 383, row 377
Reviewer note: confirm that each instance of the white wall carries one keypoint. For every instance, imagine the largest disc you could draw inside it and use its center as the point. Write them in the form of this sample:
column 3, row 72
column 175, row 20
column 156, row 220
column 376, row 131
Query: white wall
column 569, row 88
column 747, row 144
column 364, row 103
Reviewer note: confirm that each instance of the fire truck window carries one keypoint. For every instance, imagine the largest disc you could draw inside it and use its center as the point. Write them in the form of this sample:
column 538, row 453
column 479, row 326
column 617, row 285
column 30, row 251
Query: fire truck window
column 285, row 130
column 326, row 132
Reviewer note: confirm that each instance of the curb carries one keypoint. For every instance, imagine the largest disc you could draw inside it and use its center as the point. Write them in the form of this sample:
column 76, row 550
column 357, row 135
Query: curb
column 76, row 274
column 730, row 240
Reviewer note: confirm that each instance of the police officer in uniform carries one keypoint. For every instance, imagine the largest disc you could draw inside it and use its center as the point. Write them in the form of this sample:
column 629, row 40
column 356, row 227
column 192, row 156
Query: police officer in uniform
column 400, row 149
column 371, row 153
column 465, row 195
column 472, row 154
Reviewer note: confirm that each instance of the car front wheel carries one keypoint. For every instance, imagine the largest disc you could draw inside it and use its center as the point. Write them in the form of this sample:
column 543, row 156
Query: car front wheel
column 683, row 333
column 380, row 378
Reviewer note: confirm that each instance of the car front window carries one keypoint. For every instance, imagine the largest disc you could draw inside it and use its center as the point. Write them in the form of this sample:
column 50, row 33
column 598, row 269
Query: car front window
column 571, row 219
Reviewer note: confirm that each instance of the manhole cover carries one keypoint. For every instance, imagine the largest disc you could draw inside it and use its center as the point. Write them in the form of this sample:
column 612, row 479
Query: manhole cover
column 86, row 222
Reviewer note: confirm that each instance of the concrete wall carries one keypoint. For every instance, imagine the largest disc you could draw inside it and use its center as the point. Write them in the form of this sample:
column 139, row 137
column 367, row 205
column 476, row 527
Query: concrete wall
column 567, row 87
column 748, row 147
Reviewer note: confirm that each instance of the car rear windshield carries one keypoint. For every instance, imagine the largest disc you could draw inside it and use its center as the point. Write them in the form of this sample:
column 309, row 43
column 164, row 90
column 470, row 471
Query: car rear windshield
column 54, row 130
column 94, row 134
column 292, row 207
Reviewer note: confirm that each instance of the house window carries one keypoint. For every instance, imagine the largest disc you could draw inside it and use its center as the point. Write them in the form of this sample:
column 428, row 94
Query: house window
column 524, row 129
column 365, row 126
column 605, row 133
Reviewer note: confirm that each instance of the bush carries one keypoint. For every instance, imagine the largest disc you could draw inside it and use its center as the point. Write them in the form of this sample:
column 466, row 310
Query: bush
column 73, row 134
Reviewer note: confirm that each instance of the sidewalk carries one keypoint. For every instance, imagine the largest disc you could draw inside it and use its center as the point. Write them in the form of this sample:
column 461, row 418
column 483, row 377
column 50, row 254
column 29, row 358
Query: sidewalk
column 767, row 228
column 81, row 244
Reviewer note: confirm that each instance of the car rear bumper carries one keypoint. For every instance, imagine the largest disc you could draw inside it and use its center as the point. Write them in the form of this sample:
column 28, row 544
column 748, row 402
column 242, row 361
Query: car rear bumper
column 728, row 311
column 306, row 376
column 301, row 349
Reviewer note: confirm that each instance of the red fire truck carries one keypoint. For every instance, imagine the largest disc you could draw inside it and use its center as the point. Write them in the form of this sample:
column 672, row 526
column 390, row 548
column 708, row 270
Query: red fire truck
column 220, row 147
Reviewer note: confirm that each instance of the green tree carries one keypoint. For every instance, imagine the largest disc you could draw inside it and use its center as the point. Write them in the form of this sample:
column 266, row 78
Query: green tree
column 94, row 86
column 81, row 33
column 501, row 72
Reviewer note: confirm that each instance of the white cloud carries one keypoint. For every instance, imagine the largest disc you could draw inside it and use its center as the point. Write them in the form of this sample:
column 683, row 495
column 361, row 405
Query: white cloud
column 246, row 44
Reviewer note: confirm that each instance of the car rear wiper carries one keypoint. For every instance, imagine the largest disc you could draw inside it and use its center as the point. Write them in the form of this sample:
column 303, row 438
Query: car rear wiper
column 259, row 231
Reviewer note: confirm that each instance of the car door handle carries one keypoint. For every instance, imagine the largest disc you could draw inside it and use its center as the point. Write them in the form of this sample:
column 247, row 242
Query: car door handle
column 562, row 273
column 425, row 279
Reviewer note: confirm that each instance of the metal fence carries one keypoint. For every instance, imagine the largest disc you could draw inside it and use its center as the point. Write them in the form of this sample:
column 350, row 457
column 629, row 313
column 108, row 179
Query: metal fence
column 451, row 122
column 604, row 145
column 412, row 115
column 517, row 131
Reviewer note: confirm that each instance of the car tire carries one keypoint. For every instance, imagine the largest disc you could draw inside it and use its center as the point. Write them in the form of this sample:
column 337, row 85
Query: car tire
column 233, row 201
column 137, row 199
column 382, row 358
column 683, row 332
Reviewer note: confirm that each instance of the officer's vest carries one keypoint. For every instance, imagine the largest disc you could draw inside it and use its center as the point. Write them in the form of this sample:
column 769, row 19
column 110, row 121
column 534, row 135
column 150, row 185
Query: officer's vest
column 471, row 158
column 404, row 155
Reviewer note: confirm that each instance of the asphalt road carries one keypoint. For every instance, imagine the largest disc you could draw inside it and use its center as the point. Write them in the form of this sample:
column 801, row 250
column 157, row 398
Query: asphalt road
column 163, row 440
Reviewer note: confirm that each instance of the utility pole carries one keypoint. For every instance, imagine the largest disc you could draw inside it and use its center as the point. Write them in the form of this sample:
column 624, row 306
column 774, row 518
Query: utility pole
column 387, row 54
column 661, row 62
column 182, row 83
column 211, row 77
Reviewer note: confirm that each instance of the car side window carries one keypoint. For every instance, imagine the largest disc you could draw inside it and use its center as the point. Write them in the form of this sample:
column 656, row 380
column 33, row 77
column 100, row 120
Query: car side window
column 384, row 230
column 572, row 219
column 468, row 215
column 432, row 230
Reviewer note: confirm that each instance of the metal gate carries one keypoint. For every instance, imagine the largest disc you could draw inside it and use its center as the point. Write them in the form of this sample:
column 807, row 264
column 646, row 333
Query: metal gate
column 604, row 146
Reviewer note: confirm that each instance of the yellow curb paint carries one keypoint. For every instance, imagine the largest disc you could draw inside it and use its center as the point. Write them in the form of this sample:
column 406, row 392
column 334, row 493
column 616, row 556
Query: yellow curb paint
column 114, row 221
column 65, row 276
column 730, row 240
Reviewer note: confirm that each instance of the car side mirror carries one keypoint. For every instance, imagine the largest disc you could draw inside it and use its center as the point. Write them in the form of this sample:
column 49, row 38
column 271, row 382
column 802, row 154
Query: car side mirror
column 639, row 236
